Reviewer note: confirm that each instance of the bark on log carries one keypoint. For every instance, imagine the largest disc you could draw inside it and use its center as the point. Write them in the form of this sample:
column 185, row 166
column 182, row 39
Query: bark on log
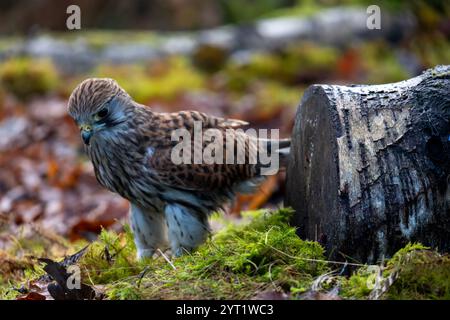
column 370, row 165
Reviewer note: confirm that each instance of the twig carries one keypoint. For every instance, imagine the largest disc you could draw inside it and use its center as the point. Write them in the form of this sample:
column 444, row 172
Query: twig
column 318, row 260
column 167, row 259
column 141, row 276
column 270, row 276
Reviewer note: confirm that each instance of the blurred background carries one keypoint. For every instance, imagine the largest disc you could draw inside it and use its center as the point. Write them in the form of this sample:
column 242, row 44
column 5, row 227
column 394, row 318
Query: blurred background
column 250, row 60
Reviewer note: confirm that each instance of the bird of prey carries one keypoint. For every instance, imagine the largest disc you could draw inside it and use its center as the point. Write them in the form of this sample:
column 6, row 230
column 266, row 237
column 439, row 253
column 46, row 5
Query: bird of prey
column 131, row 149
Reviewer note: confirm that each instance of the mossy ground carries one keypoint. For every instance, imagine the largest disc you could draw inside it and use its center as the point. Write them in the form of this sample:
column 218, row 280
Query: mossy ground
column 238, row 262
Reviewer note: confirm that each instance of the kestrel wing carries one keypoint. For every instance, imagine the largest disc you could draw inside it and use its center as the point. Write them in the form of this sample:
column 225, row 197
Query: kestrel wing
column 203, row 168
column 196, row 173
column 187, row 119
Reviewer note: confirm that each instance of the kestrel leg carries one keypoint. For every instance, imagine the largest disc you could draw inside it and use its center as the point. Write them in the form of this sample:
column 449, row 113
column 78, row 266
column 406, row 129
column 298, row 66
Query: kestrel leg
column 186, row 230
column 150, row 232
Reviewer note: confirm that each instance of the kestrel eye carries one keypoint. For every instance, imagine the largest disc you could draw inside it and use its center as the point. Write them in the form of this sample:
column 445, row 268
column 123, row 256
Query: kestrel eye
column 102, row 113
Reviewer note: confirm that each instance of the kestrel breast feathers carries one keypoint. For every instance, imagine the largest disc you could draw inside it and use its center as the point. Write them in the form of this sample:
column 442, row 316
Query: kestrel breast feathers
column 132, row 150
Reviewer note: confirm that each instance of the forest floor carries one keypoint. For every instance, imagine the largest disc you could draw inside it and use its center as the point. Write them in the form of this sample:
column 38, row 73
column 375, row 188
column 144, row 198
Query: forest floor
column 259, row 258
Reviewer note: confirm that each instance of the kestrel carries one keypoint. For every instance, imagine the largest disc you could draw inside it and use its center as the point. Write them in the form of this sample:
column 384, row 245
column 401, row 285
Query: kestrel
column 131, row 149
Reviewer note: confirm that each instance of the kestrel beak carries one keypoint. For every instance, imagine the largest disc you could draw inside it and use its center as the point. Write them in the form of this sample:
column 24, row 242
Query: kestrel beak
column 86, row 133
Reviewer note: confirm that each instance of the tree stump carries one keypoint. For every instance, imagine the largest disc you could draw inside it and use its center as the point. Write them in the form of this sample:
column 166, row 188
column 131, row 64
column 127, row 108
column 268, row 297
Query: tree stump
column 369, row 166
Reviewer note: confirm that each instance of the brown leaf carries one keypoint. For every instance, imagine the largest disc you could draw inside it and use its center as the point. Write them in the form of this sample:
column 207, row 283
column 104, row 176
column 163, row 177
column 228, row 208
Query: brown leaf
column 31, row 296
column 52, row 169
column 59, row 289
column 265, row 191
column 87, row 229
column 258, row 199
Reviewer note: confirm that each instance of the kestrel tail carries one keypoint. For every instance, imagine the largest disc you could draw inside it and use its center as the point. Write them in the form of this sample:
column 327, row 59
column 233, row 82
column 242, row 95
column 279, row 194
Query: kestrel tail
column 132, row 148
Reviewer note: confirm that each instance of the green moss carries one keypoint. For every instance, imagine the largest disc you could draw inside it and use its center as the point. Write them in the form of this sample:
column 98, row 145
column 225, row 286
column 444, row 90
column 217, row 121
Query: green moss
column 421, row 273
column 123, row 290
column 111, row 258
column 402, row 255
column 28, row 77
column 358, row 286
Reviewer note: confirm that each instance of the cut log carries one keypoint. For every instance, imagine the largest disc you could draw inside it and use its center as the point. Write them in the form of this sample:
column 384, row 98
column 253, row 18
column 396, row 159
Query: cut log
column 369, row 167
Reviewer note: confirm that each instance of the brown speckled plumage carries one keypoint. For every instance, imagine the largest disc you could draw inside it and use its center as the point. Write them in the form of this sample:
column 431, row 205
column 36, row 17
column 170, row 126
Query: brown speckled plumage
column 130, row 148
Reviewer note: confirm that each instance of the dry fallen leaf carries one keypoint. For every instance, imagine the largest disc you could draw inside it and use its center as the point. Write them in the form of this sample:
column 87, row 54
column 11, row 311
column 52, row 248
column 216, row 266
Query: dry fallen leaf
column 88, row 229
column 31, row 296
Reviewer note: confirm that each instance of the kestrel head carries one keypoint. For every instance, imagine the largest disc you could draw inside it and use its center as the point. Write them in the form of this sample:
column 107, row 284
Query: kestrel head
column 97, row 104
